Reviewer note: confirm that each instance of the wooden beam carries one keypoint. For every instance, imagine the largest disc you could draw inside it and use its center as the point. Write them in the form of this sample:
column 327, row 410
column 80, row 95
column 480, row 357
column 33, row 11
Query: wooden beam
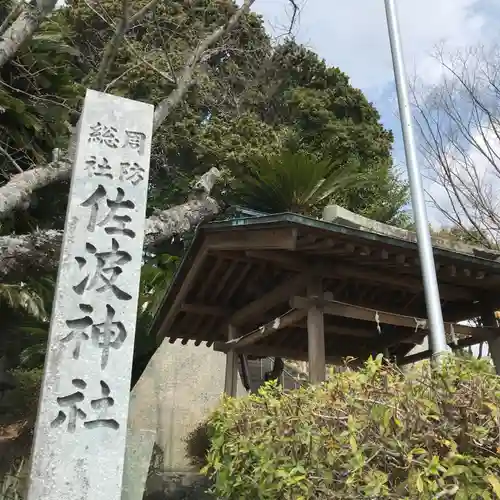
column 290, row 261
column 365, row 314
column 279, row 352
column 207, row 283
column 319, row 245
column 365, row 333
column 231, row 380
column 284, row 321
column 270, row 299
column 316, row 333
column 266, row 239
column 198, row 262
column 233, row 286
column 221, row 282
column 205, row 310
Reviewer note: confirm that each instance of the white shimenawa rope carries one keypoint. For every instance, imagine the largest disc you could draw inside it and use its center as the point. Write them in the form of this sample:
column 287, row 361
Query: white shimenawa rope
column 377, row 320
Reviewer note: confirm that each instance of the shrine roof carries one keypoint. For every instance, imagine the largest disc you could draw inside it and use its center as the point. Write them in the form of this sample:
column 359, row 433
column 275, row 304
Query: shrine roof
column 249, row 270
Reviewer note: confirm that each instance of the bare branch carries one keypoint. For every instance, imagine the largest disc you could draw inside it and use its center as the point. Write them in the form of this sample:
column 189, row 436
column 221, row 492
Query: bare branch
column 111, row 49
column 39, row 251
column 23, row 28
column 139, row 15
column 9, row 157
column 11, row 17
column 459, row 127
column 295, row 11
column 185, row 80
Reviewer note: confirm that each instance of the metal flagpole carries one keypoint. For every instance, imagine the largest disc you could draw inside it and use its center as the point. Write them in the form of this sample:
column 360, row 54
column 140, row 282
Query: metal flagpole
column 437, row 334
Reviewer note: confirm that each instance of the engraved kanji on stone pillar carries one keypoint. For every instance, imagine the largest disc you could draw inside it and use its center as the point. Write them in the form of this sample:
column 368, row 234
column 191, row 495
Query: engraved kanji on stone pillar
column 79, row 445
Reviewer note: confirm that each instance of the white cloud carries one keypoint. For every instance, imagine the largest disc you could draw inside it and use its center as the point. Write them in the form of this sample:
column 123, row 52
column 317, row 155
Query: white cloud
column 353, row 35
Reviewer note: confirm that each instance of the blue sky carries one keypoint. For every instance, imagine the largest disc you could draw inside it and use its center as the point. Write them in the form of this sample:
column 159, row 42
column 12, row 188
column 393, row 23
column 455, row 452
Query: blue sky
column 353, row 36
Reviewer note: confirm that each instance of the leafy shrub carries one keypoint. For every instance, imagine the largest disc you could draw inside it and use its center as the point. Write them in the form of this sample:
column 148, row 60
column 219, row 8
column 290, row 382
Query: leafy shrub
column 371, row 433
column 22, row 401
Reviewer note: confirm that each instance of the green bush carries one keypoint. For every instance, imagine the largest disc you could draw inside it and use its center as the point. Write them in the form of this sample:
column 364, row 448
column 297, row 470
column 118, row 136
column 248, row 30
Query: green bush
column 371, row 433
column 22, row 401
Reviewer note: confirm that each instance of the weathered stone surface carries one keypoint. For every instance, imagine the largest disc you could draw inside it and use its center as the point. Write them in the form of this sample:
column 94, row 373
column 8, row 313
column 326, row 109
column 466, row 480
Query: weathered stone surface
column 82, row 421
column 342, row 216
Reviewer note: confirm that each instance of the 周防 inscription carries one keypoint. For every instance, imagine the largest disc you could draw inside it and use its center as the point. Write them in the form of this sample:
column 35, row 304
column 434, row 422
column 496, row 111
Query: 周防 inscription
column 135, row 141
column 108, row 267
column 131, row 172
column 104, row 135
column 71, row 410
column 112, row 222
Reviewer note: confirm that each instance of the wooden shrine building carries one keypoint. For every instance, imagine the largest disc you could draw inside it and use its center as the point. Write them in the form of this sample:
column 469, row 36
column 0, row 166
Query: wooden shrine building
column 320, row 290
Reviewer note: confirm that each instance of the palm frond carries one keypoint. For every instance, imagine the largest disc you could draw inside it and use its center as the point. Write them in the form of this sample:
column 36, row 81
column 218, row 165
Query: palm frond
column 296, row 182
column 21, row 298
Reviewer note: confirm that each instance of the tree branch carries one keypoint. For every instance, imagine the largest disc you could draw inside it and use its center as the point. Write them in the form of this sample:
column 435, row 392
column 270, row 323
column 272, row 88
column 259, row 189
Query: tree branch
column 111, row 49
column 11, row 159
column 185, row 80
column 11, row 17
column 17, row 192
column 23, row 28
column 38, row 252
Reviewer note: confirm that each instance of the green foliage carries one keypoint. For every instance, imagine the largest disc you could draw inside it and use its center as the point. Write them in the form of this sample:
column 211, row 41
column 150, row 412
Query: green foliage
column 22, row 401
column 301, row 183
column 11, row 483
column 38, row 93
column 372, row 433
column 249, row 99
column 156, row 276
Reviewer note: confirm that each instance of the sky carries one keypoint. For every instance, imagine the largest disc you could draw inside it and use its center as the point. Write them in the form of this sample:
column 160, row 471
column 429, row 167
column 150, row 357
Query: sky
column 353, row 36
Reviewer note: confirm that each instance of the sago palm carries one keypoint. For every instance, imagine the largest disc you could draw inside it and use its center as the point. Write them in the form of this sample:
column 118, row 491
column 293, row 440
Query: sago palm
column 296, row 182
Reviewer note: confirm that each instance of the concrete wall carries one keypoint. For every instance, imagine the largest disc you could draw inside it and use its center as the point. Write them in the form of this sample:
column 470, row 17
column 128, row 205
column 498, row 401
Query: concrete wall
column 178, row 389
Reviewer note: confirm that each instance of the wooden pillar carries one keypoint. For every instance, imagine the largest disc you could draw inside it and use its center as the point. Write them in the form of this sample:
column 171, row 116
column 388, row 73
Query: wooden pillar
column 231, row 381
column 316, row 335
column 488, row 319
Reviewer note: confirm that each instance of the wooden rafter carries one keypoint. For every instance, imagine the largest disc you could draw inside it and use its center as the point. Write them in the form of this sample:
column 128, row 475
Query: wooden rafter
column 297, row 263
column 203, row 310
column 198, row 262
column 270, row 299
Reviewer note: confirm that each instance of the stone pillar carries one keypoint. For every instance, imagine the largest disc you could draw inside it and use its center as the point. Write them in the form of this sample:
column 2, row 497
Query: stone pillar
column 81, row 428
